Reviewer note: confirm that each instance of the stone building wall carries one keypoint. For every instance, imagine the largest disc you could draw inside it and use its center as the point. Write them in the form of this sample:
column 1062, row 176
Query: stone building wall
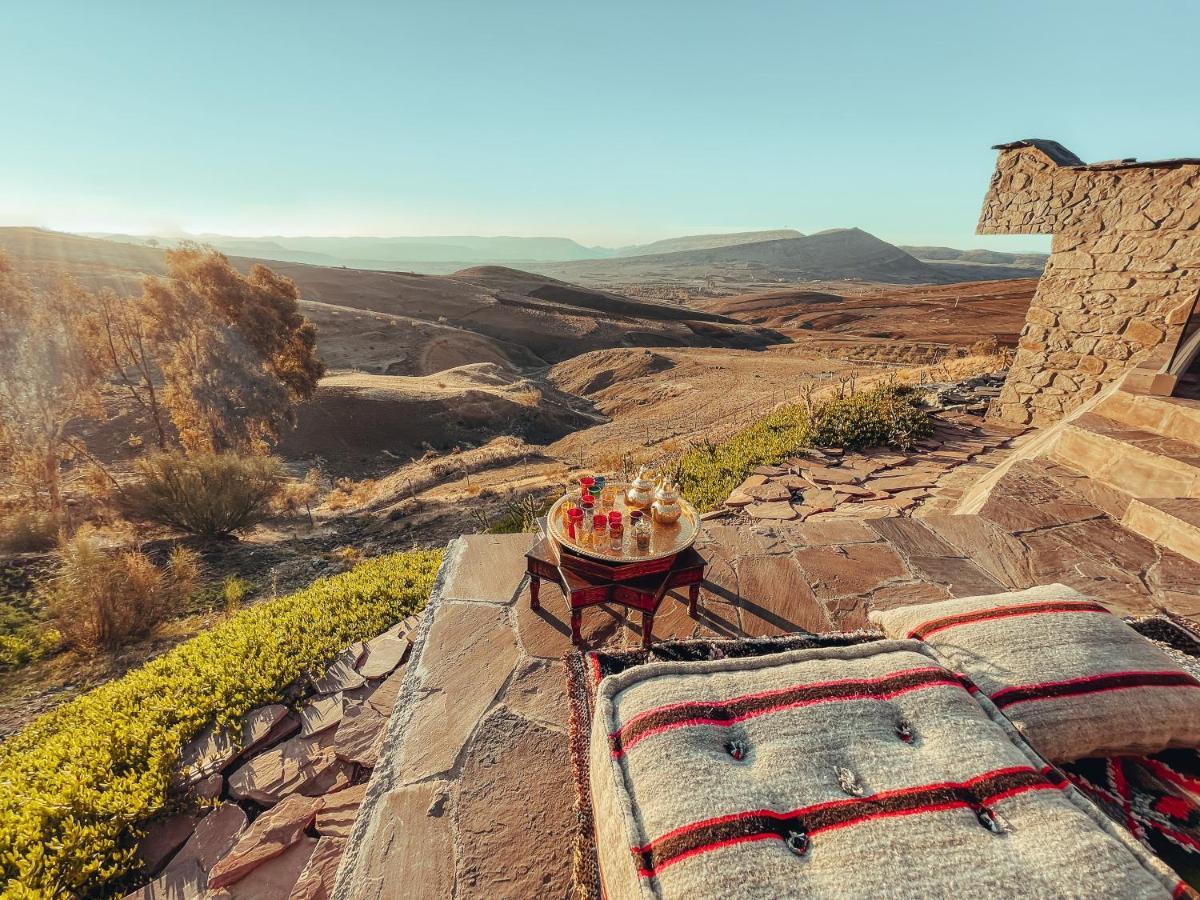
column 1123, row 276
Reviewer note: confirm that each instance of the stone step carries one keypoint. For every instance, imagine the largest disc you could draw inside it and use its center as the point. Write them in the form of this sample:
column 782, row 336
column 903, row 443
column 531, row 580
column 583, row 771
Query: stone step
column 1173, row 417
column 1173, row 522
column 1137, row 462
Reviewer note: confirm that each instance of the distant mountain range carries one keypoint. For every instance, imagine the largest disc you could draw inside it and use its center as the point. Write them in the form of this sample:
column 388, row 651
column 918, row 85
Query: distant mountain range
column 836, row 255
column 435, row 255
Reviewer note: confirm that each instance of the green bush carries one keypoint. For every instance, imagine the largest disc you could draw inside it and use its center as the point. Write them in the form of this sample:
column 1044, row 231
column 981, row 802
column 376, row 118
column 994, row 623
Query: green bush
column 887, row 414
column 76, row 782
column 208, row 494
column 709, row 472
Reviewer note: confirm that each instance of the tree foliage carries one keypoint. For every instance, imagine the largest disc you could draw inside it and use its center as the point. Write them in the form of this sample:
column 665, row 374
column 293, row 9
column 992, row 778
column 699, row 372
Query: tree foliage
column 209, row 359
column 46, row 381
column 235, row 352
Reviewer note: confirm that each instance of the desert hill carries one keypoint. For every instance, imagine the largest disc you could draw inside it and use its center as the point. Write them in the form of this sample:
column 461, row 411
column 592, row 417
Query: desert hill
column 980, row 265
column 846, row 253
column 407, row 416
column 952, row 314
column 706, row 242
column 406, row 324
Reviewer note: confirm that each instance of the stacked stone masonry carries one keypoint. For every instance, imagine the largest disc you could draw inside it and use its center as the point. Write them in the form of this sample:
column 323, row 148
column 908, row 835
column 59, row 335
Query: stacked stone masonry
column 1122, row 279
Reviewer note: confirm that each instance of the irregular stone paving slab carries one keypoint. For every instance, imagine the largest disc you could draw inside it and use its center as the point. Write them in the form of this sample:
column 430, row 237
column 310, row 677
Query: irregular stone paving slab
column 408, row 843
column 891, row 596
column 777, row 511
column 821, row 501
column 737, row 500
column 848, row 614
column 995, row 551
column 329, row 777
column 768, row 471
column 737, row 540
column 383, row 655
column 274, row 878
column 880, row 510
column 515, row 816
column 187, row 882
column 336, row 812
column 267, row 837
column 469, row 654
column 489, row 567
column 1026, row 498
column 852, row 490
column 213, row 750
column 752, row 482
column 213, row 838
column 163, row 837
column 770, row 492
column 911, row 537
column 961, row 576
column 830, row 476
column 898, row 483
column 850, row 570
column 772, row 538
column 383, row 698
column 338, row 677
column 322, row 713
column 776, row 598
column 359, row 735
column 284, row 769
column 538, row 692
column 820, row 534
column 316, row 881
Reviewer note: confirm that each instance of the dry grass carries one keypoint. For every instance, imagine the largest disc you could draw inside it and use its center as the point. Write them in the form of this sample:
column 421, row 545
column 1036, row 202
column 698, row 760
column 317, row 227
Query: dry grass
column 349, row 494
column 99, row 600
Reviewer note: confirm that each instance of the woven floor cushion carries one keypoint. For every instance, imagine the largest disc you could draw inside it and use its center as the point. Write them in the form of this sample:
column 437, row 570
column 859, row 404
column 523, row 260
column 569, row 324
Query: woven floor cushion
column 1075, row 679
column 867, row 770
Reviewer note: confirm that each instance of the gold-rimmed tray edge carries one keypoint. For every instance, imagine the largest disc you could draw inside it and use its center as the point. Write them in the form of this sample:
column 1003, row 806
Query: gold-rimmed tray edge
column 681, row 535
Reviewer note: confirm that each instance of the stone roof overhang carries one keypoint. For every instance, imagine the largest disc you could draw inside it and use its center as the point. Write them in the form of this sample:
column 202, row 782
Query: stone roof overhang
column 1064, row 157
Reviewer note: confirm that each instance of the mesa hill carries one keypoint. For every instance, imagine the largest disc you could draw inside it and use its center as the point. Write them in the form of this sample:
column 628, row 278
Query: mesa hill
column 844, row 253
column 706, row 242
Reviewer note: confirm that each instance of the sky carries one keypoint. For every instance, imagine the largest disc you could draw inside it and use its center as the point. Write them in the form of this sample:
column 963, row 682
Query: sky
column 610, row 123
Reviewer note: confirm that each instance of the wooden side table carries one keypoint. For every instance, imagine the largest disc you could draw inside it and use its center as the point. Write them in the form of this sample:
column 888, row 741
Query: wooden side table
column 635, row 585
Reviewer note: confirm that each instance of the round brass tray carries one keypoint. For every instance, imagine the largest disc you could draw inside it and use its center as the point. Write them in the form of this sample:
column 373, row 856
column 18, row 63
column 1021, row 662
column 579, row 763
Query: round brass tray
column 665, row 540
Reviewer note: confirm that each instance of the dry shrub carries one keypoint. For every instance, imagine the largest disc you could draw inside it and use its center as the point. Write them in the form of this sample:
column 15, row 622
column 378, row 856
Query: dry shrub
column 99, row 600
column 208, row 494
column 297, row 495
column 29, row 531
column 348, row 492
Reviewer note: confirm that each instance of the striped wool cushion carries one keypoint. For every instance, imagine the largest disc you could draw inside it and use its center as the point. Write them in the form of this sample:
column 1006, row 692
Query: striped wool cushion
column 1074, row 678
column 857, row 771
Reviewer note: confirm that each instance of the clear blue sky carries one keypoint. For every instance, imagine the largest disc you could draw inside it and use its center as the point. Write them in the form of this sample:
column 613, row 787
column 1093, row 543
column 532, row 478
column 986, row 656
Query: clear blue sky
column 607, row 122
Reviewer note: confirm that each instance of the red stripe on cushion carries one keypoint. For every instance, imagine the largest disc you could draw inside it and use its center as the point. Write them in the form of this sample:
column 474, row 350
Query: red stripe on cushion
column 1091, row 684
column 921, row 632
column 724, row 713
column 712, row 834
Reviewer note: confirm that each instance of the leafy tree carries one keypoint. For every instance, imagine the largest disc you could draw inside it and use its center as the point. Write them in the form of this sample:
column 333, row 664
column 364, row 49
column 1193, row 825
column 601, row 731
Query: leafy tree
column 235, row 352
column 46, row 382
column 118, row 336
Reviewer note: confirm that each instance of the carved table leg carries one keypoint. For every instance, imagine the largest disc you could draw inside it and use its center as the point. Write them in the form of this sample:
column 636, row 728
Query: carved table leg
column 535, row 584
column 693, row 596
column 647, row 629
column 576, row 616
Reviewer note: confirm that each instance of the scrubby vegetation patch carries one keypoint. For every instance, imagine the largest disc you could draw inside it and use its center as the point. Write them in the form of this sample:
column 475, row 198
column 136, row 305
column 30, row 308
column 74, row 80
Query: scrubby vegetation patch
column 77, row 781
